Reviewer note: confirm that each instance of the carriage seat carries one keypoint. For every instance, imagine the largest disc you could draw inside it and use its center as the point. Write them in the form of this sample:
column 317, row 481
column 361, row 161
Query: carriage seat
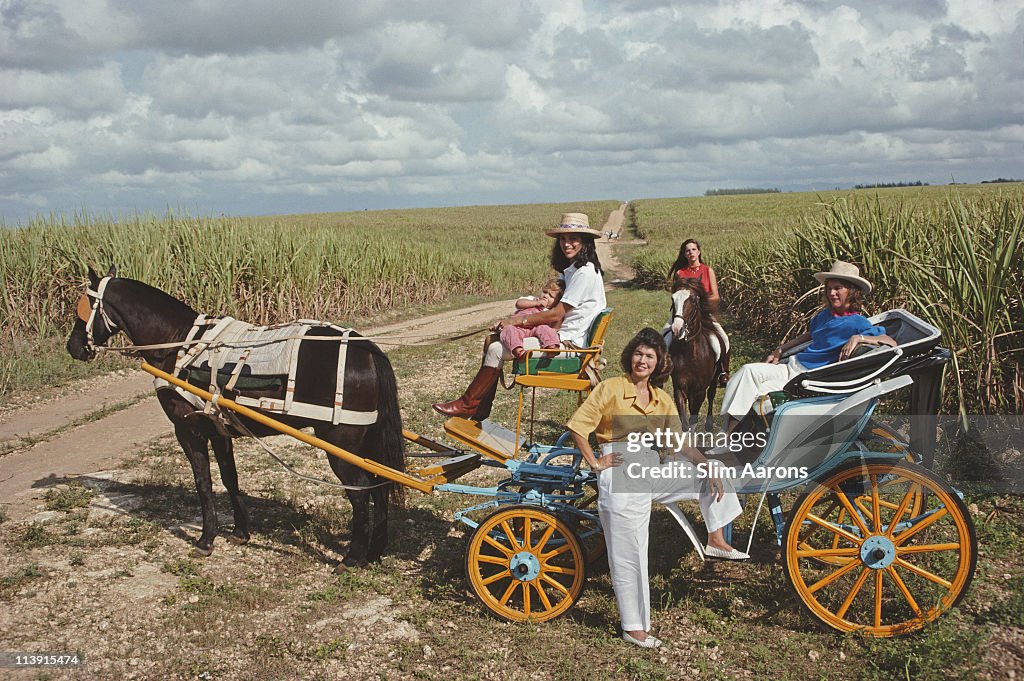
column 543, row 368
column 916, row 347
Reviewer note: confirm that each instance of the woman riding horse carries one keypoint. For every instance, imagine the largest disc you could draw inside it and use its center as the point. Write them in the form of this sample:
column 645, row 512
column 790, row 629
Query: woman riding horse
column 689, row 331
column 690, row 264
column 150, row 317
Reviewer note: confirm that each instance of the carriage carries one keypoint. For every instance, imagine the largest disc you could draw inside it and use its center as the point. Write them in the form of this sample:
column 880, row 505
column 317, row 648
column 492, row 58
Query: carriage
column 874, row 542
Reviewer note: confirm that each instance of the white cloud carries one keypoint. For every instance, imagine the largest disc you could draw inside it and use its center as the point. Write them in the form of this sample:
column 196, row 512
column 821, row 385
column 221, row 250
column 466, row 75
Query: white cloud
column 269, row 107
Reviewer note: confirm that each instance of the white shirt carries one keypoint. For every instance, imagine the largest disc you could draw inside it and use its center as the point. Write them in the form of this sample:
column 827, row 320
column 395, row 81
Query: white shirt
column 584, row 291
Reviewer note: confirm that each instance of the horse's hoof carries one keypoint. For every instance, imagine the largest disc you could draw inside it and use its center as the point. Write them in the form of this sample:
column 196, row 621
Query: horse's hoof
column 200, row 552
column 238, row 540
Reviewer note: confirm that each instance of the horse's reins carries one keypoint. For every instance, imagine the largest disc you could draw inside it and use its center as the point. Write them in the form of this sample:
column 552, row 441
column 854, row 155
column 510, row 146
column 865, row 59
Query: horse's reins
column 87, row 312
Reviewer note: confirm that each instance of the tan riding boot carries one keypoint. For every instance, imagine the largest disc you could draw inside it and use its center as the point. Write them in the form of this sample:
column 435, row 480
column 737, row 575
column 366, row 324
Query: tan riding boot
column 478, row 396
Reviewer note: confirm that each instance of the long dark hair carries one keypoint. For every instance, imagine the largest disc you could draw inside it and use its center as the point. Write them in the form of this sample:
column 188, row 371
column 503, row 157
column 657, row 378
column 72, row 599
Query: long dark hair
column 652, row 339
column 681, row 260
column 588, row 253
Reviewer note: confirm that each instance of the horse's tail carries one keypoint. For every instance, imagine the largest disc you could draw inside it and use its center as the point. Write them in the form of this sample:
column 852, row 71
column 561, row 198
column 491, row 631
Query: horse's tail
column 387, row 431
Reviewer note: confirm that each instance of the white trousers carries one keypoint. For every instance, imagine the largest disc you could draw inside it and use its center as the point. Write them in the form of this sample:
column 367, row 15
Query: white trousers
column 754, row 380
column 666, row 333
column 625, row 519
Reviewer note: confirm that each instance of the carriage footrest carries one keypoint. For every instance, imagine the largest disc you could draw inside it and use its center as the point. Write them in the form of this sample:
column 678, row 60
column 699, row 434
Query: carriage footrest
column 490, row 439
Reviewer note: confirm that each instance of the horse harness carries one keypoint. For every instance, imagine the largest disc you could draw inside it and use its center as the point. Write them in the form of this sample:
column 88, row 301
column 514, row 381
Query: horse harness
column 87, row 312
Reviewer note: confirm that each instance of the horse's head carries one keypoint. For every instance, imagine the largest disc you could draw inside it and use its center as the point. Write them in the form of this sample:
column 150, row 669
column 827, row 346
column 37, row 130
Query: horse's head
column 93, row 327
column 689, row 305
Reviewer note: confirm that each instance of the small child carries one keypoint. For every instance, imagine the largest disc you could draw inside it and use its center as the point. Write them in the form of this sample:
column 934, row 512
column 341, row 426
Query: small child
column 512, row 336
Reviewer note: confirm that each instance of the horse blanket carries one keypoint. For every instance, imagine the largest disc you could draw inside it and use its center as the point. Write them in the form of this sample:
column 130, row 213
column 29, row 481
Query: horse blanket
column 257, row 365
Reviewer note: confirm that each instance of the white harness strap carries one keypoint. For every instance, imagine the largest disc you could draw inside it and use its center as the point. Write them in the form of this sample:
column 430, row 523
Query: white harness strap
column 97, row 306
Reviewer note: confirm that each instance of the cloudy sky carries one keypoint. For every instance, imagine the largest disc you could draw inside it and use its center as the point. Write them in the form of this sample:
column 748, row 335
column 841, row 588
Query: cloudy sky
column 262, row 106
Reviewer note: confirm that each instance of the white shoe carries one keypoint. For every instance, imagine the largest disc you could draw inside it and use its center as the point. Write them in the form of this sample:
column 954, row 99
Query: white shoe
column 715, row 552
column 649, row 642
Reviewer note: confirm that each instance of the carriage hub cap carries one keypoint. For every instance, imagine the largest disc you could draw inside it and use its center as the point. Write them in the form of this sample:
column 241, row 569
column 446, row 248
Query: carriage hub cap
column 524, row 566
column 877, row 552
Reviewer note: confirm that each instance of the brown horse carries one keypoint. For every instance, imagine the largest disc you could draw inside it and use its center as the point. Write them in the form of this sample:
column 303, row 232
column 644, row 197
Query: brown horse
column 694, row 369
column 149, row 316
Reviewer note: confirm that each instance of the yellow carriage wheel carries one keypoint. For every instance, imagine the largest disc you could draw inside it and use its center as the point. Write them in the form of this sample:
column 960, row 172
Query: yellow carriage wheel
column 863, row 558
column 525, row 563
column 862, row 505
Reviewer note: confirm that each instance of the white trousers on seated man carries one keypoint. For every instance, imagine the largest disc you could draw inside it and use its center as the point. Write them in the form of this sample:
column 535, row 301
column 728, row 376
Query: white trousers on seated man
column 626, row 518
column 754, row 380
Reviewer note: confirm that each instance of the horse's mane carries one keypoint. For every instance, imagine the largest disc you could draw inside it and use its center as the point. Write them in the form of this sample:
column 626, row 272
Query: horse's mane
column 702, row 297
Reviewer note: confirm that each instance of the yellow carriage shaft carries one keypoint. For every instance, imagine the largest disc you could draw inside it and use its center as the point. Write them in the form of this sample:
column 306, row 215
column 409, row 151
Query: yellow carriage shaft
column 370, row 466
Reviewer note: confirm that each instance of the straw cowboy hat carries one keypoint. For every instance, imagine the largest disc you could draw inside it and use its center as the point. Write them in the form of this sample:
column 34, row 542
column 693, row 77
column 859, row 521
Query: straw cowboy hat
column 845, row 271
column 573, row 223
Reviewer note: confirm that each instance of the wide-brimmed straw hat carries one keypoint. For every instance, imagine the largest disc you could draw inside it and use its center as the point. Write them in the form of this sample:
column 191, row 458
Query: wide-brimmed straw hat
column 573, row 223
column 845, row 271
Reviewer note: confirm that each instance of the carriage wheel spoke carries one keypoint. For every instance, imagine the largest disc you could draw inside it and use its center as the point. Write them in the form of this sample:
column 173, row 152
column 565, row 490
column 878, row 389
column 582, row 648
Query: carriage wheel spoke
column 848, row 601
column 544, row 539
column 511, row 537
column 555, row 583
column 526, row 598
column 509, row 591
column 917, row 527
column 876, row 512
column 878, row 598
column 827, row 553
column 527, row 527
column 921, row 572
column 903, row 588
column 849, row 567
column 857, row 519
column 904, row 505
column 493, row 560
column 495, row 577
column 558, row 570
column 555, row 552
column 543, row 596
column 833, row 528
column 927, row 548
column 498, row 545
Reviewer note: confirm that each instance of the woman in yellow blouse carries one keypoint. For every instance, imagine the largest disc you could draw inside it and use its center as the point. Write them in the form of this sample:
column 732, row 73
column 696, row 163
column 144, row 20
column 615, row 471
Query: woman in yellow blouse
column 616, row 411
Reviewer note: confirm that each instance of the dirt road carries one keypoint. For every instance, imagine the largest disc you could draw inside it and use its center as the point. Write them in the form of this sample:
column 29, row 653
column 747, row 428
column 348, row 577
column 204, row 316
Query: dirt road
column 95, row 425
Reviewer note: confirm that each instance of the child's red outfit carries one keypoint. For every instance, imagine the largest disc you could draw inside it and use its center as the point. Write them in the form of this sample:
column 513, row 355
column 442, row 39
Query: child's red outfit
column 512, row 336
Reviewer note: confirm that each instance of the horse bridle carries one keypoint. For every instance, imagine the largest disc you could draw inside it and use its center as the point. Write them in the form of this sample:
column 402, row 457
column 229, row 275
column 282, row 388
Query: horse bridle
column 87, row 312
column 687, row 335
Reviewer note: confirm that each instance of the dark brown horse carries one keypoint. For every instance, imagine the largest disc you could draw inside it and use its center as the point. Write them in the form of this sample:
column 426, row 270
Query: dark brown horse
column 693, row 355
column 151, row 317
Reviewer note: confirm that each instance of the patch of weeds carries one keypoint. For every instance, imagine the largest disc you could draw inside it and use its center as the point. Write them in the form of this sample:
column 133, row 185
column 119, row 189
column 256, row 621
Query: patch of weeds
column 77, row 558
column 75, row 495
column 643, row 669
column 133, row 531
column 182, row 567
column 11, row 584
column 3, row 513
column 33, row 536
column 943, row 648
column 333, row 649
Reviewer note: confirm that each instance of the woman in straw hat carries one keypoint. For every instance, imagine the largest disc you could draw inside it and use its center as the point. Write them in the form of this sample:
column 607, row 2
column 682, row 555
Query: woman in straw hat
column 574, row 254
column 834, row 333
